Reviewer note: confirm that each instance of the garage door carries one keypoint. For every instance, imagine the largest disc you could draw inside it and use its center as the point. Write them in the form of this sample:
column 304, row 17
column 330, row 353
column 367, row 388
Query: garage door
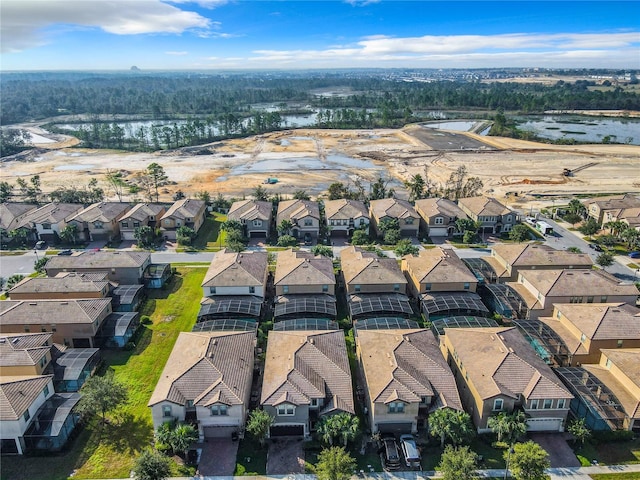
column 438, row 232
column 257, row 234
column 404, row 427
column 339, row 233
column 286, row 431
column 544, row 424
column 219, row 432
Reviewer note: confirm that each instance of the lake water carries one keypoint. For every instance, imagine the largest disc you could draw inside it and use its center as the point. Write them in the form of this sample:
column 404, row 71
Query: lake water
column 583, row 128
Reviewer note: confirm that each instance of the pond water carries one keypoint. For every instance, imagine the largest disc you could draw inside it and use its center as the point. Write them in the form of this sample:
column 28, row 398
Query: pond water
column 583, row 128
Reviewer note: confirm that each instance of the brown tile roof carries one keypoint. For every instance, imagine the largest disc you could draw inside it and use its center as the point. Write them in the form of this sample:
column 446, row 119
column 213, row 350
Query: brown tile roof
column 501, row 361
column 529, row 254
column 142, row 211
column 366, row 268
column 23, row 349
column 102, row 212
column 569, row 338
column 603, row 321
column 250, row 210
column 185, row 208
column 439, row 265
column 432, row 207
column 303, row 268
column 392, row 208
column 68, row 283
column 484, row 206
column 345, row 209
column 563, row 283
column 51, row 213
column 30, row 312
column 11, row 214
column 208, row 368
column 17, row 394
column 103, row 260
column 229, row 269
column 302, row 365
column 406, row 365
column 295, row 210
column 628, row 200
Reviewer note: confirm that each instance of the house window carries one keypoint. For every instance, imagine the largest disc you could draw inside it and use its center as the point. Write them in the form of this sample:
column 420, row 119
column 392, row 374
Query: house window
column 575, row 299
column 509, row 219
column 466, row 285
column 396, row 407
column 286, row 409
column 362, row 221
column 408, row 221
column 314, row 402
column 54, row 328
column 189, row 404
column 427, row 286
column 26, row 415
column 27, row 329
column 98, row 225
column 424, row 400
column 619, row 343
column 212, row 290
column 534, row 404
column 136, row 224
column 498, row 403
column 178, row 223
column 603, row 299
column 252, row 289
column 590, row 299
column 46, row 226
column 46, row 390
column 439, row 221
column 332, row 223
column 285, row 289
column 325, row 288
column 561, row 403
column 257, row 223
column 308, row 222
column 547, row 404
column 357, row 288
column 125, row 224
column 43, row 328
column 167, row 222
column 166, row 410
column 396, row 287
column 608, row 363
column 219, row 410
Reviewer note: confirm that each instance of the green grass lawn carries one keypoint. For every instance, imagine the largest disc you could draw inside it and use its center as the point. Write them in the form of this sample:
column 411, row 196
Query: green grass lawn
column 252, row 458
column 109, row 451
column 610, row 453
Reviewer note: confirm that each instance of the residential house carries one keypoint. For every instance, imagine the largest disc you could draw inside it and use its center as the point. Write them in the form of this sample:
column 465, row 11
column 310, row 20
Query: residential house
column 507, row 260
column 395, row 208
column 306, row 376
column 304, row 216
column 437, row 270
column 124, row 267
column 141, row 215
column 497, row 370
column 254, row 215
column 234, row 285
column 406, row 378
column 207, row 380
column 24, row 353
column 439, row 216
column 586, row 328
column 72, row 322
column 541, row 289
column 345, row 216
column 631, row 216
column 12, row 215
column 493, row 216
column 49, row 220
column 34, row 419
column 183, row 213
column 373, row 285
column 63, row 285
column 304, row 283
column 610, row 207
column 619, row 371
column 100, row 221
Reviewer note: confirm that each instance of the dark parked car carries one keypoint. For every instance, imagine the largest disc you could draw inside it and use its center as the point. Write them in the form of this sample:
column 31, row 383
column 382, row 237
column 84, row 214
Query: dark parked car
column 65, row 252
column 596, row 247
column 390, row 454
column 634, row 255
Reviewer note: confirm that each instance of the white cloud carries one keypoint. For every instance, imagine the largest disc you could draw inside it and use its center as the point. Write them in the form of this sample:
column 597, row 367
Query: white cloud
column 361, row 3
column 176, row 53
column 202, row 3
column 25, row 22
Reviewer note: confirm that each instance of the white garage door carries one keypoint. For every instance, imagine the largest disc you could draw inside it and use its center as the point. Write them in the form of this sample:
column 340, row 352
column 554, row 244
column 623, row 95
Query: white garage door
column 544, row 424
column 438, row 231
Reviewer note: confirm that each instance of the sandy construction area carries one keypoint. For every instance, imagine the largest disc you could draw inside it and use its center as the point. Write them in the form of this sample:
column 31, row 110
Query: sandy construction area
column 313, row 159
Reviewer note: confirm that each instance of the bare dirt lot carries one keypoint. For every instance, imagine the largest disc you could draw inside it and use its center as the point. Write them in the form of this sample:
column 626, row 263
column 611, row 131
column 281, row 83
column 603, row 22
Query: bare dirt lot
column 313, row 159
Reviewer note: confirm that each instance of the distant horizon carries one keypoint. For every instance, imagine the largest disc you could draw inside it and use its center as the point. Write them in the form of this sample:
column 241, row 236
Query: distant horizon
column 270, row 35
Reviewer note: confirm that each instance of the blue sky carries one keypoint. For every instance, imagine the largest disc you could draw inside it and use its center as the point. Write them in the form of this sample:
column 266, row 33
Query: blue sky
column 223, row 34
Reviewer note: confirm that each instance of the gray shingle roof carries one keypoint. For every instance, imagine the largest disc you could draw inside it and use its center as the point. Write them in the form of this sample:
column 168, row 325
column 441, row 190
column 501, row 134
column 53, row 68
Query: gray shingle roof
column 185, row 208
column 104, row 260
column 69, row 283
column 51, row 213
column 142, row 211
column 345, row 209
column 392, row 208
column 29, row 312
column 17, row 394
column 23, row 349
column 236, row 269
column 303, row 268
column 102, row 211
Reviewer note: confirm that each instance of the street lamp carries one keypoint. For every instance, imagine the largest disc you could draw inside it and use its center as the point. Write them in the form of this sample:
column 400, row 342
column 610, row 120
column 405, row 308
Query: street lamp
column 35, row 250
column 506, row 468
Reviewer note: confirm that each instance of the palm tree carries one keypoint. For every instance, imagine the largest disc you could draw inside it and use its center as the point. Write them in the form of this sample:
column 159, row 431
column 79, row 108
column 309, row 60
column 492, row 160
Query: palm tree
column 508, row 426
column 416, row 186
column 452, row 424
column 285, row 227
column 349, row 426
column 631, row 236
column 68, row 233
column 577, row 207
column 616, row 227
column 328, row 429
column 183, row 436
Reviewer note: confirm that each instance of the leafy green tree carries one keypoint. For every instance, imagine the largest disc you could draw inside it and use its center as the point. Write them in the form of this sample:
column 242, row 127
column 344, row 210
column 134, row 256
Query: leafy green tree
column 360, row 237
column 287, row 241
column 68, row 233
column 458, row 463
column 13, row 280
column 577, row 207
column 101, row 395
column 404, row 247
column 284, row 228
column 323, row 250
column 335, row 463
column 157, row 177
column 574, row 250
column 508, row 426
column 379, row 189
column 631, row 237
column 579, row 430
column 182, row 436
column 572, row 218
column 31, row 190
column 467, row 225
column 219, row 203
column 151, row 465
column 163, row 433
column 589, row 227
column 260, row 193
column 338, row 191
column 519, row 233
column 528, row 461
column 605, row 259
column 185, row 235
column 19, row 235
column 387, row 224
column 145, row 236
column 39, row 264
column 469, row 237
column 301, row 195
column 392, row 237
column 416, row 187
column 204, row 196
column 231, row 224
column 258, row 425
column 6, row 190
column 450, row 424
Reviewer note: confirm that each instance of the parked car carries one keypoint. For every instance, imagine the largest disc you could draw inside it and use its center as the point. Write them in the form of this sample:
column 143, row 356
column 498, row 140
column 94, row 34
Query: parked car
column 308, row 240
column 41, row 245
column 410, row 451
column 634, row 255
column 390, row 454
column 595, row 247
column 65, row 252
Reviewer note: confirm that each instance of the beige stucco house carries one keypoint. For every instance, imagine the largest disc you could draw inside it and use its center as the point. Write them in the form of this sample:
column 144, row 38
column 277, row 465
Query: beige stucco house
column 99, row 221
column 438, row 216
column 255, row 216
column 141, row 215
column 390, row 208
column 304, row 216
column 343, row 216
column 300, row 272
column 497, row 370
column 187, row 212
column 63, row 285
column 493, row 216
column 49, row 220
column 606, row 209
column 24, row 353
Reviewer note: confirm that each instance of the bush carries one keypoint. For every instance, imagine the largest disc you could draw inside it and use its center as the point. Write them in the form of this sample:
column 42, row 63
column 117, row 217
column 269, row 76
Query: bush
column 287, row 241
column 612, row 436
column 145, row 320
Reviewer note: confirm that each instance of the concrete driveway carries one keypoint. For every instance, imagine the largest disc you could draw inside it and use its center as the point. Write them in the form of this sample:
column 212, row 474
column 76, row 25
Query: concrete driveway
column 555, row 444
column 285, row 457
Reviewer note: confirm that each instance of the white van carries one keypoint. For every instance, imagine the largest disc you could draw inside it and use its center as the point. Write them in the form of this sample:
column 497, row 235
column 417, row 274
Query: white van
column 410, row 451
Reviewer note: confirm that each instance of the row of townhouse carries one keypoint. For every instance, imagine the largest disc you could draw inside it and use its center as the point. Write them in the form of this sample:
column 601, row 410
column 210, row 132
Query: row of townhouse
column 50, row 331
column 100, row 221
column 435, row 217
